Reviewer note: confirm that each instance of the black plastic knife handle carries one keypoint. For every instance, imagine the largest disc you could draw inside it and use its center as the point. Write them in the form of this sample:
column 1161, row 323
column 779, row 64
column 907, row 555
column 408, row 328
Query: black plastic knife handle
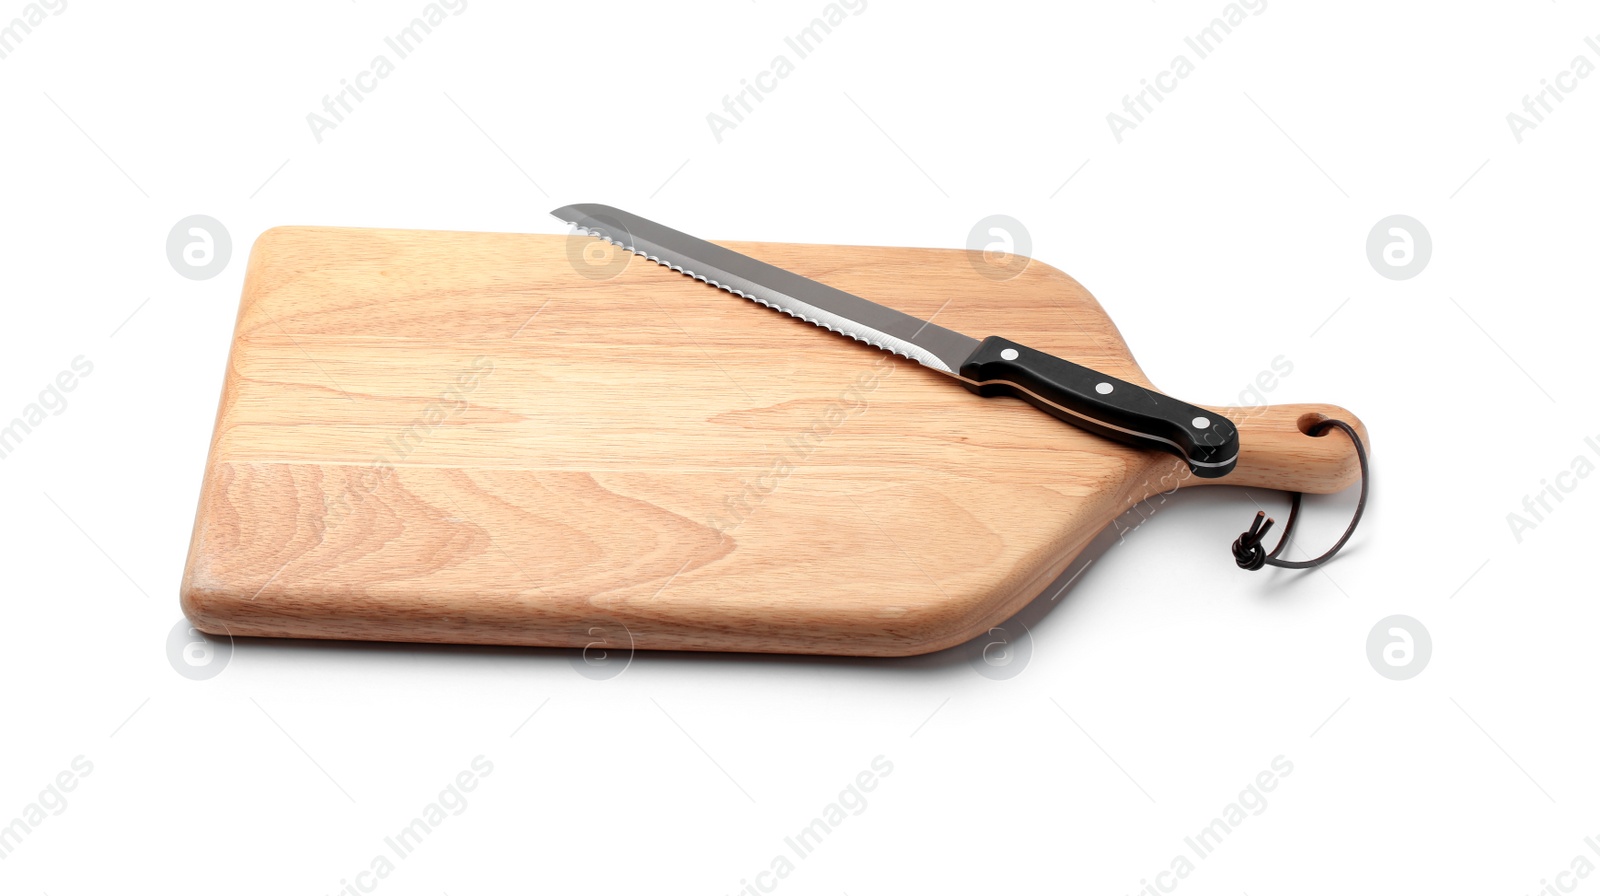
column 1104, row 404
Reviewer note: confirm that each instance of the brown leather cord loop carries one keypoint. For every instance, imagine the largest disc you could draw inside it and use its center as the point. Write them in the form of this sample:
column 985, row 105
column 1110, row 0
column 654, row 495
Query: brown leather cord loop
column 1247, row 550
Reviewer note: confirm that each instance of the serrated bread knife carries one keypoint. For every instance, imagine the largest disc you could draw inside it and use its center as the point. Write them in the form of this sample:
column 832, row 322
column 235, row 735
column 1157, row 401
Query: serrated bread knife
column 1102, row 404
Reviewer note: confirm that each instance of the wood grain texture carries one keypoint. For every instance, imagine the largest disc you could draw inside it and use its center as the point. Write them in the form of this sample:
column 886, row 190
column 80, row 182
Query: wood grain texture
column 459, row 437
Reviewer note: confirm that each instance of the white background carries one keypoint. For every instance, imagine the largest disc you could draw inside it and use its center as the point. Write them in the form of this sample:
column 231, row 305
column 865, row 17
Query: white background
column 1227, row 229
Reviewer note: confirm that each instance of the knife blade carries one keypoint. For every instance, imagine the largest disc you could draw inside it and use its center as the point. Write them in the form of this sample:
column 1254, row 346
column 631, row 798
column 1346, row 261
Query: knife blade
column 1103, row 404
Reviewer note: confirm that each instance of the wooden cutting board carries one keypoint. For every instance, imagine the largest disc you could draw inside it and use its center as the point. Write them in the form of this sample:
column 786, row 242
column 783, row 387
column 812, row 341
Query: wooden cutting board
column 497, row 439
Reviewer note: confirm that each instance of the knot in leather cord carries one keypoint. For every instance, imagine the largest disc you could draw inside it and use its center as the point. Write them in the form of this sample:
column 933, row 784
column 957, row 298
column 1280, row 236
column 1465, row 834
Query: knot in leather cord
column 1247, row 550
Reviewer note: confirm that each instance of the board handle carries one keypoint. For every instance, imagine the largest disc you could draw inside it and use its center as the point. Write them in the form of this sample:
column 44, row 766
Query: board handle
column 1277, row 451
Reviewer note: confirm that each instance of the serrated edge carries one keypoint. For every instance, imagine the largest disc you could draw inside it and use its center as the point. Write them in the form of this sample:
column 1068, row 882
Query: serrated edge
column 885, row 342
